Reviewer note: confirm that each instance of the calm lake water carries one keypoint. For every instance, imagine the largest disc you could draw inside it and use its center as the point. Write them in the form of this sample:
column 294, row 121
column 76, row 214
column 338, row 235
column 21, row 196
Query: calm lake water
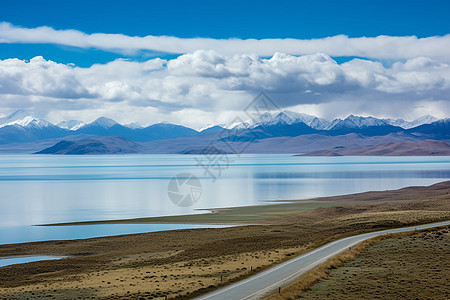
column 39, row 189
column 25, row 259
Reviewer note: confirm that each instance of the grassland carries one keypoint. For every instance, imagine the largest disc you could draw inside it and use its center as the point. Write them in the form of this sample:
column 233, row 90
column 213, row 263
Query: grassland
column 183, row 263
column 412, row 265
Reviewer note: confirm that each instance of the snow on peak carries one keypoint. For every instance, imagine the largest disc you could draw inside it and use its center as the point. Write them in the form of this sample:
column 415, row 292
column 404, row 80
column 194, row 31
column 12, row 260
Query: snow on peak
column 319, row 124
column 15, row 116
column 133, row 125
column 22, row 118
column 240, row 125
column 211, row 125
column 356, row 122
column 442, row 122
column 286, row 117
column 290, row 117
column 71, row 125
column 427, row 119
column 104, row 122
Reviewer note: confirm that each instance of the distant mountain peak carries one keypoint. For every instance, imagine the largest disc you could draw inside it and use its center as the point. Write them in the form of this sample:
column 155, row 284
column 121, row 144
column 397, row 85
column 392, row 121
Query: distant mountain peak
column 319, row 124
column 358, row 122
column 285, row 117
column 104, row 122
column 165, row 124
column 23, row 119
column 441, row 122
column 71, row 125
column 427, row 119
column 215, row 128
column 212, row 125
column 17, row 115
column 133, row 125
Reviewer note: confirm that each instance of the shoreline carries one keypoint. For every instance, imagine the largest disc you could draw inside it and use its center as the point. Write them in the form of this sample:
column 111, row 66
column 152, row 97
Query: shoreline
column 21, row 259
column 262, row 214
column 228, row 215
column 186, row 263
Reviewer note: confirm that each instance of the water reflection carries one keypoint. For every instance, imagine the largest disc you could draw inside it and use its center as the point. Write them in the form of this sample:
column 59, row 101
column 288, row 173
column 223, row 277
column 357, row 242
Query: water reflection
column 48, row 189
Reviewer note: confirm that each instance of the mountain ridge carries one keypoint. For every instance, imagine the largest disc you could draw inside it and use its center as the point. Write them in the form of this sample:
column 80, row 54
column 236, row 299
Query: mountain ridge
column 172, row 138
column 21, row 117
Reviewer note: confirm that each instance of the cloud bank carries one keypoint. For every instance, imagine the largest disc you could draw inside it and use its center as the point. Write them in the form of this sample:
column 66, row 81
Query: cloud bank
column 207, row 86
column 380, row 47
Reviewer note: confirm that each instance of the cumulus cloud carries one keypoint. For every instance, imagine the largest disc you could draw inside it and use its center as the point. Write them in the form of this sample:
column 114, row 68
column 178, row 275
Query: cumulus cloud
column 380, row 47
column 211, row 85
column 40, row 77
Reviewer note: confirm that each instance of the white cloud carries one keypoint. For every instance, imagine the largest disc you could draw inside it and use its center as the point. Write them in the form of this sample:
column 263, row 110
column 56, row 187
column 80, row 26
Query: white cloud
column 40, row 77
column 380, row 47
column 206, row 85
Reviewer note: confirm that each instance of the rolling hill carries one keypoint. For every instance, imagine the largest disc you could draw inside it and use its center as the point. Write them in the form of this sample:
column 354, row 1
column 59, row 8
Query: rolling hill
column 405, row 148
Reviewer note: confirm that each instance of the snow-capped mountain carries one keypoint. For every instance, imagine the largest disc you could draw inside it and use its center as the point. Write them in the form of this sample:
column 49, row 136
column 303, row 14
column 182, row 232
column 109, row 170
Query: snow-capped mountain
column 133, row 125
column 212, row 125
column 71, row 125
column 333, row 123
column 283, row 118
column 23, row 119
column 427, row 119
column 319, row 124
column 288, row 117
column 439, row 129
column 103, row 122
column 442, row 122
column 16, row 116
column 22, row 127
column 240, row 125
column 356, row 122
column 264, row 118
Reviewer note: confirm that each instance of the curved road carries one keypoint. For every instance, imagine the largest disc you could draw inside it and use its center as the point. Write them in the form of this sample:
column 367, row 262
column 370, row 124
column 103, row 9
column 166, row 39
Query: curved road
column 269, row 280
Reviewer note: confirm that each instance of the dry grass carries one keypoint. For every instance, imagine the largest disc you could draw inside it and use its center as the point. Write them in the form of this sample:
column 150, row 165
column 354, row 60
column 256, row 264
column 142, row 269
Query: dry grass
column 185, row 277
column 412, row 265
column 296, row 289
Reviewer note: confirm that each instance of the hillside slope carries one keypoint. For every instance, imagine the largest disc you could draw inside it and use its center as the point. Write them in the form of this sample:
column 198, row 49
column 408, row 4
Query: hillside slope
column 404, row 148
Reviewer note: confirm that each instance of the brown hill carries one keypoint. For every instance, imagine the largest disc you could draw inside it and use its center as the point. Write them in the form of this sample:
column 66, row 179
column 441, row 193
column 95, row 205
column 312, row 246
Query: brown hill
column 405, row 148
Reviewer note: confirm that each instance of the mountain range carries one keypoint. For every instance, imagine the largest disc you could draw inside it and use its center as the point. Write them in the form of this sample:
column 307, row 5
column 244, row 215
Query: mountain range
column 284, row 132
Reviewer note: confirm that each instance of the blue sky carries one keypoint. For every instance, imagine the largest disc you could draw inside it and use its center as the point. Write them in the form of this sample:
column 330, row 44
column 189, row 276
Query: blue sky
column 232, row 18
column 219, row 19
column 168, row 72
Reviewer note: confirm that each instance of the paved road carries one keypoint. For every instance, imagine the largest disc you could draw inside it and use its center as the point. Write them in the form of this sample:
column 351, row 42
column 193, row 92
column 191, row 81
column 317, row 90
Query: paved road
column 269, row 280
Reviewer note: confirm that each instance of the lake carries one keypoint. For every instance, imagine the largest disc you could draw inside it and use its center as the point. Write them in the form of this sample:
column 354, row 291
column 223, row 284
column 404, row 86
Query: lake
column 39, row 189
column 25, row 259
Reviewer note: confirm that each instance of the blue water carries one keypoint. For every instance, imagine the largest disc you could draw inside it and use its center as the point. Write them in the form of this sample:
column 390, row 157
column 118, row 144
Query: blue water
column 38, row 189
column 26, row 233
column 25, row 259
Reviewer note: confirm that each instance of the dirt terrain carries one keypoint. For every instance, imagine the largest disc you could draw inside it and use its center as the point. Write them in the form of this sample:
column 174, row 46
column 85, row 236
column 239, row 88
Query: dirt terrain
column 187, row 262
column 403, row 148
